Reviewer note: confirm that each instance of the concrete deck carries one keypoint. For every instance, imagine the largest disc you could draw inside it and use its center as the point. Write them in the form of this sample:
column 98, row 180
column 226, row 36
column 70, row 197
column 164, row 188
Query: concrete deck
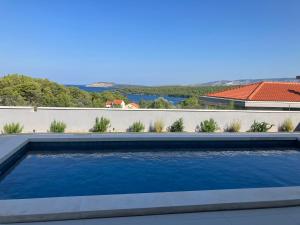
column 273, row 216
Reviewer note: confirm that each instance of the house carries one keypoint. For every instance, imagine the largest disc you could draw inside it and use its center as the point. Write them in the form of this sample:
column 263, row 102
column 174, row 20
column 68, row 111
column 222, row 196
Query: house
column 132, row 105
column 117, row 103
column 262, row 95
column 108, row 104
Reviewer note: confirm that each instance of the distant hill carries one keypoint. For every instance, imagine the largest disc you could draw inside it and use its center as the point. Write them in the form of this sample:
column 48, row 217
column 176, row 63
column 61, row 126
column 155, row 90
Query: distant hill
column 245, row 81
column 112, row 85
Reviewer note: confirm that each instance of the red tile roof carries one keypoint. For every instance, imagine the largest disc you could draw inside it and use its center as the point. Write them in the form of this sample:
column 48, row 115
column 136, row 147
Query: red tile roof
column 134, row 105
column 263, row 91
column 118, row 102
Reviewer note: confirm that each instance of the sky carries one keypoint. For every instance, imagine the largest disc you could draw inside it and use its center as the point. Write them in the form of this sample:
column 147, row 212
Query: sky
column 150, row 42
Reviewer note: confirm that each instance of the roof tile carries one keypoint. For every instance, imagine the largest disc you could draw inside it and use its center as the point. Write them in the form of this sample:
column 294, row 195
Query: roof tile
column 118, row 101
column 263, row 91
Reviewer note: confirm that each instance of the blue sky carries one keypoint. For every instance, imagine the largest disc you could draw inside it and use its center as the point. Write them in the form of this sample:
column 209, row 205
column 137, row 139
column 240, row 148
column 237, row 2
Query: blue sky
column 151, row 42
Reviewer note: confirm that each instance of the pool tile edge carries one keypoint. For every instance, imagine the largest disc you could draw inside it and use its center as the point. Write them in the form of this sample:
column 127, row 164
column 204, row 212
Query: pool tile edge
column 103, row 206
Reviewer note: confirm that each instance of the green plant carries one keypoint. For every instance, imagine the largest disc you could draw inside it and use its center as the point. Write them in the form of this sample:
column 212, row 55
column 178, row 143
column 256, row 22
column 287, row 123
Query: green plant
column 57, row 127
column 234, row 126
column 12, row 128
column 137, row 127
column 101, row 125
column 260, row 127
column 158, row 126
column 177, row 126
column 287, row 126
column 209, row 125
column 193, row 102
column 231, row 105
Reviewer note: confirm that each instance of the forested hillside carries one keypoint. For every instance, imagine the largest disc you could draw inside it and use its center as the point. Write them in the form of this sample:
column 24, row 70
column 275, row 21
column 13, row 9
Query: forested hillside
column 20, row 90
column 176, row 91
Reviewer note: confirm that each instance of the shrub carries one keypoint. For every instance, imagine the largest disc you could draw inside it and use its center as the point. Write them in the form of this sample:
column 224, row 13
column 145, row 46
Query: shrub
column 260, row 126
column 234, row 126
column 209, row 125
column 287, row 126
column 177, row 126
column 12, row 128
column 190, row 103
column 57, row 127
column 161, row 103
column 158, row 126
column 231, row 105
column 137, row 127
column 101, row 125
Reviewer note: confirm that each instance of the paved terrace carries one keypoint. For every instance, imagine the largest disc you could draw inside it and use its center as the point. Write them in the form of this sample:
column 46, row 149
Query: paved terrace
column 273, row 216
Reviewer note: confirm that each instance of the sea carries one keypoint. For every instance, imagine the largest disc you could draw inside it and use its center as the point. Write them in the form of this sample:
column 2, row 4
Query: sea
column 132, row 97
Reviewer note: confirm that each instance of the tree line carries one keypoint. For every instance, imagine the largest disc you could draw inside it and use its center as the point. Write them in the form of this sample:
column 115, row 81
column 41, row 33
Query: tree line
column 174, row 91
column 20, row 90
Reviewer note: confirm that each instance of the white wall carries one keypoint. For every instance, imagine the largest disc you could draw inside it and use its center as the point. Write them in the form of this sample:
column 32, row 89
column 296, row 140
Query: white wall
column 82, row 119
column 21, row 115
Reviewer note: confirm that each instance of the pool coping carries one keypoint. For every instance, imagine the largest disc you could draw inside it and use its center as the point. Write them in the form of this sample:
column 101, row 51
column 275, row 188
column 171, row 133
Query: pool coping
column 82, row 207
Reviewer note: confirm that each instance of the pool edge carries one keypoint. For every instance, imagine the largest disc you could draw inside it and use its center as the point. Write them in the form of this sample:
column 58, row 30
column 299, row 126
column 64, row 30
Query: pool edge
column 104, row 206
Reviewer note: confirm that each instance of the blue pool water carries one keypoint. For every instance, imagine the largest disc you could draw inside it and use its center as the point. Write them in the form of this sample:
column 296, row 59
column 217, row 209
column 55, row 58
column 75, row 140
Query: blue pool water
column 74, row 174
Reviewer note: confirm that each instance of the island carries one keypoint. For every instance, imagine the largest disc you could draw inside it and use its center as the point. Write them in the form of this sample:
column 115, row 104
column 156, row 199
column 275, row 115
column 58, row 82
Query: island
column 101, row 84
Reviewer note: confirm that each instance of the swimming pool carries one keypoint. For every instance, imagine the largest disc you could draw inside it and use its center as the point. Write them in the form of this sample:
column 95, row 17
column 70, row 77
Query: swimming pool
column 59, row 177
column 102, row 171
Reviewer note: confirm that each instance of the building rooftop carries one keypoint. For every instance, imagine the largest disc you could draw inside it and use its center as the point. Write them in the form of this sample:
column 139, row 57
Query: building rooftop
column 263, row 91
column 115, row 102
column 118, row 102
column 133, row 105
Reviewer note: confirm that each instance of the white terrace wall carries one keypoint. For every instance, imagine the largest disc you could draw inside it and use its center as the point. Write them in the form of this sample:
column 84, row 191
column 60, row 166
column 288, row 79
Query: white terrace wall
column 82, row 119
column 13, row 114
